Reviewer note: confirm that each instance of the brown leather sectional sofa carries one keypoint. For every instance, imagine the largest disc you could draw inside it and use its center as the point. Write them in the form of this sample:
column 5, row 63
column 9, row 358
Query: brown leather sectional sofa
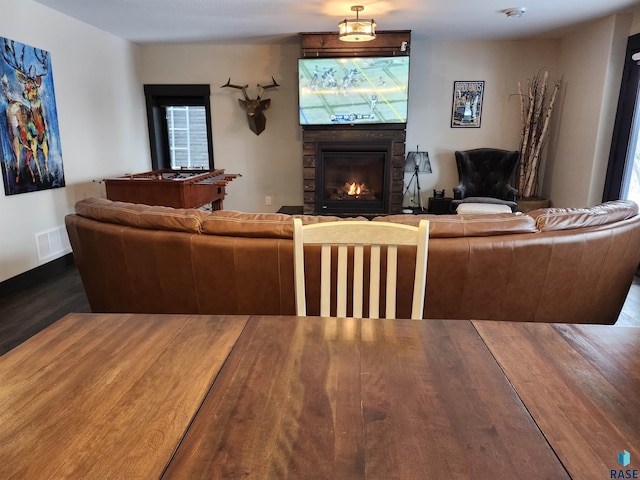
column 551, row 265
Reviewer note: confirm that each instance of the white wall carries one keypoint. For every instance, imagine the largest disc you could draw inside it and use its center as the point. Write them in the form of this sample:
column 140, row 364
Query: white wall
column 270, row 163
column 635, row 26
column 101, row 118
column 592, row 60
column 434, row 68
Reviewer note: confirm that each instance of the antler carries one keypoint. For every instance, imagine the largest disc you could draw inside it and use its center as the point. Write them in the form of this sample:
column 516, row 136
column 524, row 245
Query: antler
column 16, row 61
column 261, row 88
column 9, row 56
column 243, row 88
column 43, row 58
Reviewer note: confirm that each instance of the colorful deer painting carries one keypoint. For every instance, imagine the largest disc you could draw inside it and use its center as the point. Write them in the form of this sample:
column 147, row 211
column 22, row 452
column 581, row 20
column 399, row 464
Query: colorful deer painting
column 29, row 132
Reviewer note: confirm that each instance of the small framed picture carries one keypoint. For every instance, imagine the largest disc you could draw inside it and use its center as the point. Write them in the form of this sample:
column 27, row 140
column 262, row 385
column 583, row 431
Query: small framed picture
column 466, row 111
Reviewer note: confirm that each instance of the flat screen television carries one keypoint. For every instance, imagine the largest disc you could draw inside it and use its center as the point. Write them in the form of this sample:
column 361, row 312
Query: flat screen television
column 359, row 90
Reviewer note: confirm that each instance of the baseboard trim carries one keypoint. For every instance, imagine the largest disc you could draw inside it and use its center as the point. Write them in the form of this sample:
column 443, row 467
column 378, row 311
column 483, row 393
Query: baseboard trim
column 35, row 276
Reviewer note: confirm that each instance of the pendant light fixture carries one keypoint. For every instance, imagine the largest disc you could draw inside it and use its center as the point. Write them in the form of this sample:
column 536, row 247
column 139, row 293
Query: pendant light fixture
column 357, row 29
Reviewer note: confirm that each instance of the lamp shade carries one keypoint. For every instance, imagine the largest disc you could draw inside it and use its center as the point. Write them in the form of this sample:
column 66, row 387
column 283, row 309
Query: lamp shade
column 418, row 161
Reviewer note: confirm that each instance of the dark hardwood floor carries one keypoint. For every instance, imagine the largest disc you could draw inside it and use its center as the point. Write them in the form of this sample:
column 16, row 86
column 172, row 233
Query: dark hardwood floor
column 32, row 309
column 26, row 312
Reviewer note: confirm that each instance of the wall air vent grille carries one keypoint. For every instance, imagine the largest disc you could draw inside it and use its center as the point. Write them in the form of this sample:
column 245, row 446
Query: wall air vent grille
column 52, row 243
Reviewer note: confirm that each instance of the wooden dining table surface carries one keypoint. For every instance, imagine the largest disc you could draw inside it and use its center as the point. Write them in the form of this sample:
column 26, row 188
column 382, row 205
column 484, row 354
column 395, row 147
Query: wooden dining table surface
column 220, row 396
column 581, row 384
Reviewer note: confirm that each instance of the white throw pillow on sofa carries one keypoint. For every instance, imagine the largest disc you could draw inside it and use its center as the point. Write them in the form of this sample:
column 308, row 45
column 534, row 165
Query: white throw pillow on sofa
column 479, row 208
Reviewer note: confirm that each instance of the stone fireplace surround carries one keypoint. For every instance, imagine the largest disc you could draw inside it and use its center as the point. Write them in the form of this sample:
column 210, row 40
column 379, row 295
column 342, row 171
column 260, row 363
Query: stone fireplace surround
column 385, row 138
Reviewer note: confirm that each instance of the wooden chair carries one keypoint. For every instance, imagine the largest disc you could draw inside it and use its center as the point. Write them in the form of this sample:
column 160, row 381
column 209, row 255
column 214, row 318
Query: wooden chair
column 358, row 234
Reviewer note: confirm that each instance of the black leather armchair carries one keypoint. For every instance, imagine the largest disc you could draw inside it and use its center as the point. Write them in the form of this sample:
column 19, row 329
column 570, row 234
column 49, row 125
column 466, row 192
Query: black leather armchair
column 485, row 175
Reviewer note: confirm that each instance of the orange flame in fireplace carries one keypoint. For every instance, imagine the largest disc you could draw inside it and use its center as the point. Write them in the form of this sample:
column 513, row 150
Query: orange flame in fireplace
column 355, row 189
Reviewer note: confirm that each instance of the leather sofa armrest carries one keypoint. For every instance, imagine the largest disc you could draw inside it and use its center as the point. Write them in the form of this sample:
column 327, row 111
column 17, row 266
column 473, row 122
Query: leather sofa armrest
column 550, row 219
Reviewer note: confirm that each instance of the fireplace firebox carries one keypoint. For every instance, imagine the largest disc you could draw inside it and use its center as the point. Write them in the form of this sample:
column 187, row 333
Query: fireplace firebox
column 352, row 179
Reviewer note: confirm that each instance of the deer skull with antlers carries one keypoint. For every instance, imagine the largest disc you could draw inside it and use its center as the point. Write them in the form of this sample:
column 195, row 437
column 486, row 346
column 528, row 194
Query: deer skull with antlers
column 254, row 108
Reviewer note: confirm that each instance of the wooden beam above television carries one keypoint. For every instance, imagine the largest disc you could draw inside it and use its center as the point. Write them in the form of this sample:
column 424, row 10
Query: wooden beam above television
column 327, row 44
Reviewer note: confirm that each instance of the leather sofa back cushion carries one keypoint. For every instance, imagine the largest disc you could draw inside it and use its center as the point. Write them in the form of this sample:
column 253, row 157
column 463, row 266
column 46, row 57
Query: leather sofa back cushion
column 141, row 216
column 448, row 226
column 261, row 225
column 549, row 219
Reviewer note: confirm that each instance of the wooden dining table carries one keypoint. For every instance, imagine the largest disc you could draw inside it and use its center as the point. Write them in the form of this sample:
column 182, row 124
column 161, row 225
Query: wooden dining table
column 581, row 385
column 114, row 396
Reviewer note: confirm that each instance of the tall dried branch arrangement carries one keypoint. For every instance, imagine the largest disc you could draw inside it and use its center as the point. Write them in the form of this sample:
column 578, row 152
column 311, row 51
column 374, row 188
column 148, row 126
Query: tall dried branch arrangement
column 536, row 107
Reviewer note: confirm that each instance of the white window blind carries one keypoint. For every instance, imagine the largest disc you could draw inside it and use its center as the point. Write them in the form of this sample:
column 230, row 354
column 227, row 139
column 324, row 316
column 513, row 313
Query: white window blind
column 187, row 129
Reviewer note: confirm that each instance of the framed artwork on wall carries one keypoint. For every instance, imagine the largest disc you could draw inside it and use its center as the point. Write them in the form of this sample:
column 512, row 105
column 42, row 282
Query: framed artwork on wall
column 30, row 151
column 466, row 111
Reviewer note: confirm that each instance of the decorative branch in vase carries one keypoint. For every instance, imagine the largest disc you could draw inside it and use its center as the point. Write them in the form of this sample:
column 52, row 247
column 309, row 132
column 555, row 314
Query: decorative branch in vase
column 536, row 108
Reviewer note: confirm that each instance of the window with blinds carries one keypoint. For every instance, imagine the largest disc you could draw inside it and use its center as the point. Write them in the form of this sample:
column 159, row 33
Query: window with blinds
column 179, row 120
column 187, row 132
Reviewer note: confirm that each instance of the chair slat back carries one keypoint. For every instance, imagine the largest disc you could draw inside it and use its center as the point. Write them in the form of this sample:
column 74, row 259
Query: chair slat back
column 357, row 234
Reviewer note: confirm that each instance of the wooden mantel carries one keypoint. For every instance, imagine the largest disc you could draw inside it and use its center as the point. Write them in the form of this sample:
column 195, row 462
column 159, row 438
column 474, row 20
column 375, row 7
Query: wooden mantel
column 327, row 44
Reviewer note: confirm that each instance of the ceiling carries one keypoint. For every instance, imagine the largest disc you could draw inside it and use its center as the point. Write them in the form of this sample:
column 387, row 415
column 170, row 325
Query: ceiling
column 278, row 21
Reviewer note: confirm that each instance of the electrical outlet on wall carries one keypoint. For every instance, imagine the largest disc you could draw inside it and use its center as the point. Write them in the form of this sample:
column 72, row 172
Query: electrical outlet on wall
column 267, row 200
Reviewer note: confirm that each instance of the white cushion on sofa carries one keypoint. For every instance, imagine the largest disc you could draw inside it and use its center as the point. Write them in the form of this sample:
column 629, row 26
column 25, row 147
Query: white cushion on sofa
column 478, row 208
